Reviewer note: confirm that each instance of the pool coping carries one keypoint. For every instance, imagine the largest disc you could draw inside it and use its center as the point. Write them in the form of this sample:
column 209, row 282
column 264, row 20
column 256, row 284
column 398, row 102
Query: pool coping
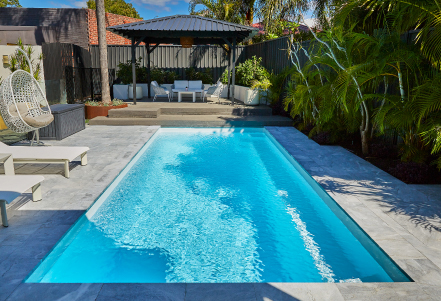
column 414, row 246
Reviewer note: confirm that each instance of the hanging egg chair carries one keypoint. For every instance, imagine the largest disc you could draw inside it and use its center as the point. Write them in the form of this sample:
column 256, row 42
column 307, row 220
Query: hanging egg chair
column 23, row 105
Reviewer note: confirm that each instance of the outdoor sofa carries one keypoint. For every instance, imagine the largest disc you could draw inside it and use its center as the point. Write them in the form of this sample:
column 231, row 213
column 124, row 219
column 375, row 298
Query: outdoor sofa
column 188, row 86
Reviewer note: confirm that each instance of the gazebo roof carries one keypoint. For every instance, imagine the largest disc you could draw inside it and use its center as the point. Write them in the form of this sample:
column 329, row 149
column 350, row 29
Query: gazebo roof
column 171, row 29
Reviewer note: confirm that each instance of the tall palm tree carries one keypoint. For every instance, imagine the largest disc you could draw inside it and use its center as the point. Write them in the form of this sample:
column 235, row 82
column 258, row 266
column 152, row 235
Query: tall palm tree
column 101, row 25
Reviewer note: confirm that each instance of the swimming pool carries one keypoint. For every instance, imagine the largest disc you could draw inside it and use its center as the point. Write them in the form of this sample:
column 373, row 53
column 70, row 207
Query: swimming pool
column 215, row 205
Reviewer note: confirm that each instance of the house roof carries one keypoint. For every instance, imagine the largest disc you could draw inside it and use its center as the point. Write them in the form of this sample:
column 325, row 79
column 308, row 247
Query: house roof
column 170, row 29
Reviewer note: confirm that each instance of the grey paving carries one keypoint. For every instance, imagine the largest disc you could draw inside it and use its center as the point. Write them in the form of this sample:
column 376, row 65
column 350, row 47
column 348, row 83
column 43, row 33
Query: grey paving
column 403, row 219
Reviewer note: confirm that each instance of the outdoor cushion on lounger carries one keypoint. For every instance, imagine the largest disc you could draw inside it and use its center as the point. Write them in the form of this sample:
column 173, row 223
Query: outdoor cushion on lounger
column 46, row 154
column 13, row 186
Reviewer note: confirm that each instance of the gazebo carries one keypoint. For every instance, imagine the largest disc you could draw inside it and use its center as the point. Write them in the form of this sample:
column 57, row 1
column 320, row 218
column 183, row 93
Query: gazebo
column 185, row 30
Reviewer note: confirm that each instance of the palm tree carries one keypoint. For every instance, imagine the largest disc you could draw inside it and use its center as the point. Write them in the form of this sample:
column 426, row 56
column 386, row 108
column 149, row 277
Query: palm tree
column 226, row 10
column 101, row 24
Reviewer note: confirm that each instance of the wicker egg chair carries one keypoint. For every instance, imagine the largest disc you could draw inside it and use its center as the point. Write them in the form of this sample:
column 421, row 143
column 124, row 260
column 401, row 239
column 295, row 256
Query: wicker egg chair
column 23, row 105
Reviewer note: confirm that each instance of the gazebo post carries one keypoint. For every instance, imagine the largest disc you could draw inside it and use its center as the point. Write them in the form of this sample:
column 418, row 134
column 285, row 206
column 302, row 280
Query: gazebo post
column 229, row 72
column 134, row 69
column 147, row 45
column 234, row 69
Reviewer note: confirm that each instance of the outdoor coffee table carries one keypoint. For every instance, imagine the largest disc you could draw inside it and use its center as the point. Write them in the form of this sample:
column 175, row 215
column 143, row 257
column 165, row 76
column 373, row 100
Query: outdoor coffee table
column 180, row 92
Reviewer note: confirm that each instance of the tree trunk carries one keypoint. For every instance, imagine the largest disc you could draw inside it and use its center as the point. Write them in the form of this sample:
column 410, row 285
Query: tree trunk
column 364, row 141
column 101, row 24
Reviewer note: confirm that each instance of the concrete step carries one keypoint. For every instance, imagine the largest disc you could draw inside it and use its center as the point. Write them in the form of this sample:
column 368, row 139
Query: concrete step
column 227, row 110
column 135, row 112
column 197, row 121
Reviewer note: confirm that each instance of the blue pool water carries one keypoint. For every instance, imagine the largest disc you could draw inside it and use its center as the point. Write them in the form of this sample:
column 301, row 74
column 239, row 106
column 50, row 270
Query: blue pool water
column 210, row 205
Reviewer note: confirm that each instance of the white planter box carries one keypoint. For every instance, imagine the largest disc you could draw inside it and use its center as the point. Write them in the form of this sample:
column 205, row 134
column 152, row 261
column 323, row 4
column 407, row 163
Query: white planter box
column 145, row 91
column 251, row 97
column 138, row 91
column 121, row 91
column 246, row 95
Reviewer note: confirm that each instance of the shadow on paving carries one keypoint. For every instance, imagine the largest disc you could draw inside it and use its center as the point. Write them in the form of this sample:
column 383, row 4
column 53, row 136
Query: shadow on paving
column 342, row 172
column 402, row 200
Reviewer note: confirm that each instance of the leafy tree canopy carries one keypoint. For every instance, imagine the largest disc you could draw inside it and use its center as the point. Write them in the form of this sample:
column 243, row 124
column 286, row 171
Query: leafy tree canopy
column 118, row 7
column 6, row 3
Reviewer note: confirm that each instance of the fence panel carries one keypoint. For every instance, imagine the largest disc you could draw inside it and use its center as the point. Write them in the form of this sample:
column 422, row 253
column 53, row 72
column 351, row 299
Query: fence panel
column 171, row 58
column 85, row 83
column 56, row 57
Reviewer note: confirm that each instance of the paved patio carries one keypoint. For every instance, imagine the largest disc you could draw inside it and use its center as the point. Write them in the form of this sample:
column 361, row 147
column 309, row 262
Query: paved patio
column 405, row 220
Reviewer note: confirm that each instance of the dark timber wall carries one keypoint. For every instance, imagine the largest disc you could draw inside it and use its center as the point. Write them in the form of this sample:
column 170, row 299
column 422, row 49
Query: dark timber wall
column 44, row 25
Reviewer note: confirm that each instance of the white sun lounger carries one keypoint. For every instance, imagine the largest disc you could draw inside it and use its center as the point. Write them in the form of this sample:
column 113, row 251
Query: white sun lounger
column 46, row 154
column 13, row 186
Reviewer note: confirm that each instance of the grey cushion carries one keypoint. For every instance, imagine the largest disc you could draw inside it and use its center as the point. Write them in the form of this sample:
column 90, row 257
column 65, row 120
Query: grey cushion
column 211, row 90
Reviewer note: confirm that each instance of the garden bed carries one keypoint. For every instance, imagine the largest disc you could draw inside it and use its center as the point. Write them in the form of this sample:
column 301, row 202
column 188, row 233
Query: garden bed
column 408, row 173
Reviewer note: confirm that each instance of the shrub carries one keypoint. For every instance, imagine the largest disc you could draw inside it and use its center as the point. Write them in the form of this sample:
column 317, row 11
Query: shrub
column 248, row 72
column 411, row 172
column 322, row 138
column 124, row 72
column 162, row 76
column 18, row 61
column 205, row 76
column 381, row 150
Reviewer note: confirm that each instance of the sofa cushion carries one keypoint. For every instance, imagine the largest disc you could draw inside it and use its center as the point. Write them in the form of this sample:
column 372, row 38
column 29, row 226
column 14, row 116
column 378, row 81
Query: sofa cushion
column 195, row 84
column 181, row 84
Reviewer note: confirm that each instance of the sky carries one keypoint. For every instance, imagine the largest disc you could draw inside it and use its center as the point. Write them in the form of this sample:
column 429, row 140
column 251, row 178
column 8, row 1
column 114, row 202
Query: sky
column 147, row 9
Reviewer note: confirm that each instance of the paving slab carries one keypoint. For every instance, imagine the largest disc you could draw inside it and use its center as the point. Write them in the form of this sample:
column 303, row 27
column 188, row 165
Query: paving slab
column 403, row 219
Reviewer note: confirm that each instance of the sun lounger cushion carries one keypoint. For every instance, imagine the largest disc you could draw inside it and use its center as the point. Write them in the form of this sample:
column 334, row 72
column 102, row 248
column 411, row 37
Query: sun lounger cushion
column 13, row 186
column 42, row 153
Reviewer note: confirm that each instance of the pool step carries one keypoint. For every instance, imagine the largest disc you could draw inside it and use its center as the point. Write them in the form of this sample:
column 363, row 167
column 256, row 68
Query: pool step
column 197, row 121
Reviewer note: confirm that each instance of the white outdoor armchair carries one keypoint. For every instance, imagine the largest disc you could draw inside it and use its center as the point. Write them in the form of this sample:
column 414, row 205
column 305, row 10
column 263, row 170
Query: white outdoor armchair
column 215, row 91
column 160, row 91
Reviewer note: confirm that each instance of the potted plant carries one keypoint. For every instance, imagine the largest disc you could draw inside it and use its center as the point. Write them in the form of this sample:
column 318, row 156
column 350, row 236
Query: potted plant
column 251, row 79
column 98, row 108
column 124, row 73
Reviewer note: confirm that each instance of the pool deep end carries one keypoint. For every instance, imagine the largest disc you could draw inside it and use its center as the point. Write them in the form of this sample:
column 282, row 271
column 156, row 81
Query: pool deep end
column 215, row 205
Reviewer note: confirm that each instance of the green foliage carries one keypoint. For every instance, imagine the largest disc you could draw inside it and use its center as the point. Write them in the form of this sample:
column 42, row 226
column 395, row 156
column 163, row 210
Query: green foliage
column 225, row 10
column 277, row 85
column 162, row 76
column 205, row 76
column 115, row 102
column 248, row 72
column 18, row 61
column 118, row 7
column 10, row 3
column 124, row 72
